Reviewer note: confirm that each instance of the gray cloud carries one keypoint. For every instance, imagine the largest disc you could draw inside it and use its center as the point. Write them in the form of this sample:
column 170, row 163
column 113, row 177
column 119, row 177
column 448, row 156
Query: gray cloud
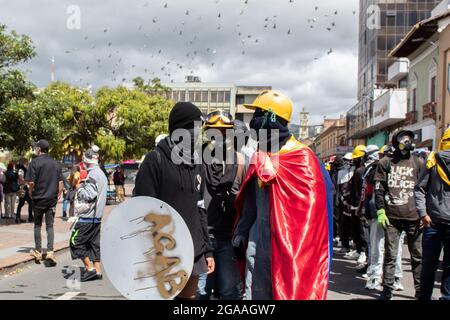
column 295, row 63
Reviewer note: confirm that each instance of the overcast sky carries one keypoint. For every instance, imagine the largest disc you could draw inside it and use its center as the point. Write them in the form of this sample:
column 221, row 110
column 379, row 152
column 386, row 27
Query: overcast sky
column 282, row 43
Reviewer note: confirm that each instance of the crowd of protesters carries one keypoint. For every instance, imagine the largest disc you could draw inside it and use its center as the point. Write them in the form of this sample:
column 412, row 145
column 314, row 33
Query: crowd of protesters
column 390, row 196
column 253, row 220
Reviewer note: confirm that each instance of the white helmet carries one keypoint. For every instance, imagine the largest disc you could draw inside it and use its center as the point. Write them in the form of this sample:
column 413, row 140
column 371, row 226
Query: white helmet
column 373, row 152
column 348, row 156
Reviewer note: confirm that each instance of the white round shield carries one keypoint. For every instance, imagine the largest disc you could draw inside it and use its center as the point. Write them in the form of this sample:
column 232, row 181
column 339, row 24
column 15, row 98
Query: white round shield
column 147, row 250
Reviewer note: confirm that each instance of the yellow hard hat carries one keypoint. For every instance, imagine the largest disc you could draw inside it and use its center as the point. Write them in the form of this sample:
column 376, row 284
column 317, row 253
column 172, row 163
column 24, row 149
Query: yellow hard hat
column 383, row 149
column 359, row 152
column 219, row 119
column 445, row 141
column 273, row 101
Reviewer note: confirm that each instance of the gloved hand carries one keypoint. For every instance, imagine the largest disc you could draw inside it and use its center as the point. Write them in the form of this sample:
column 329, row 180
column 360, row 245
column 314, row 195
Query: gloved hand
column 239, row 246
column 382, row 218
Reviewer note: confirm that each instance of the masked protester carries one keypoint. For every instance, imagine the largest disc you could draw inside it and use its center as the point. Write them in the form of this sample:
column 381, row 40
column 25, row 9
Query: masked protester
column 433, row 204
column 344, row 176
column 89, row 207
column 173, row 173
column 279, row 228
column 335, row 166
column 224, row 172
column 368, row 210
column 395, row 180
column 358, row 225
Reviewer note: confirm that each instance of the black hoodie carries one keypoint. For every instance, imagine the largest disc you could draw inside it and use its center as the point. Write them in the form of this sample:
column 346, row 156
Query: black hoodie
column 181, row 186
column 395, row 180
column 433, row 193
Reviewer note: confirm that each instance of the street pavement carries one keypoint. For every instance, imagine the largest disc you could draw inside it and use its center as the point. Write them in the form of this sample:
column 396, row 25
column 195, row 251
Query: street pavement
column 39, row 282
column 21, row 278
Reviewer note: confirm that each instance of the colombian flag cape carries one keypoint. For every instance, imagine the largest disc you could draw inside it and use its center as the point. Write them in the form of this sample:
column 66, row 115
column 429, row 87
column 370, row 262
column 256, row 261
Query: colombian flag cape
column 300, row 220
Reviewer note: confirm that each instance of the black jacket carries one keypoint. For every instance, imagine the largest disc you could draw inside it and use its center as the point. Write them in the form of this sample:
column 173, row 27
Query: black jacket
column 433, row 193
column 180, row 186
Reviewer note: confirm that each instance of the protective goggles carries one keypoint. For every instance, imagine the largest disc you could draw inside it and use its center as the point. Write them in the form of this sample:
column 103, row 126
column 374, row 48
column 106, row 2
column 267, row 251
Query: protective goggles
column 216, row 116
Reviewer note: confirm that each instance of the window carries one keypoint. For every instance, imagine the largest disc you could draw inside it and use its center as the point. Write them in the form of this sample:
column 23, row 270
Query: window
column 220, row 96
column 191, row 96
column 433, row 89
column 414, row 100
column 204, row 96
column 213, row 96
column 227, row 96
column 183, row 96
column 198, row 96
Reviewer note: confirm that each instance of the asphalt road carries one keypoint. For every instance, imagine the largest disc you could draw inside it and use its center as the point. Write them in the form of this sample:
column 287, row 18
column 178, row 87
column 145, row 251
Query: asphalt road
column 39, row 282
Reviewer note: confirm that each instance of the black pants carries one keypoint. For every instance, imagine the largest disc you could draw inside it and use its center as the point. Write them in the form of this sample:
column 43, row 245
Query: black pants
column 359, row 234
column 85, row 241
column 345, row 229
column 414, row 240
column 22, row 201
column 39, row 214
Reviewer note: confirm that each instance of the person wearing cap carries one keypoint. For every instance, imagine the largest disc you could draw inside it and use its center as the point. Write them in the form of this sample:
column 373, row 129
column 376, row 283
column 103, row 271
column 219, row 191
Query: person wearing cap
column 433, row 204
column 173, row 173
column 224, row 168
column 358, row 226
column 284, row 211
column 44, row 178
column 395, row 180
column 90, row 202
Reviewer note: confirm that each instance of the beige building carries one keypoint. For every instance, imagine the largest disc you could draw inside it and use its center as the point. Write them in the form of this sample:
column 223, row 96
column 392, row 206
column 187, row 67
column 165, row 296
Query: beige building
column 332, row 141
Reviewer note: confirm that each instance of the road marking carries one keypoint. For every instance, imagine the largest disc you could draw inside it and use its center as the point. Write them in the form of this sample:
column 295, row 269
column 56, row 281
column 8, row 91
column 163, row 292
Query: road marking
column 68, row 295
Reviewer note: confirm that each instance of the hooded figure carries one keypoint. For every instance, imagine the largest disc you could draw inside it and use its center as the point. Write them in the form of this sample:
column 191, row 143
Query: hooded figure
column 433, row 205
column 284, row 211
column 173, row 174
column 395, row 180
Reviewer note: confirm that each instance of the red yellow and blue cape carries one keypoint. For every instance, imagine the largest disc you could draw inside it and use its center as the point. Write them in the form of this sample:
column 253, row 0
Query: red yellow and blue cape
column 300, row 199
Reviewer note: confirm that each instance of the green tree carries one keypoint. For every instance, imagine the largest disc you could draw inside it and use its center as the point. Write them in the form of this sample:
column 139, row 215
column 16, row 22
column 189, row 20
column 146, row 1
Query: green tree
column 14, row 49
column 130, row 121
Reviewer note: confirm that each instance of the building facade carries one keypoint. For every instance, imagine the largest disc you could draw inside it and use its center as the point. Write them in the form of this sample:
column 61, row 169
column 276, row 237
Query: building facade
column 382, row 25
column 332, row 141
column 422, row 46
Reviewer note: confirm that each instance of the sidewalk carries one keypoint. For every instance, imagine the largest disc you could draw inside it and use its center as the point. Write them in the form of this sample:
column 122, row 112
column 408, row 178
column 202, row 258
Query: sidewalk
column 16, row 240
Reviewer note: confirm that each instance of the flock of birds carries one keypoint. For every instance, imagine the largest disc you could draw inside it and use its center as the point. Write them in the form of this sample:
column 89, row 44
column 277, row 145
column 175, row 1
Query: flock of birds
column 193, row 51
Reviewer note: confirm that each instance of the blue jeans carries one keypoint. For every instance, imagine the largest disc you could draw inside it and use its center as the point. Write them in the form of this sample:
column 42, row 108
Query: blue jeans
column 226, row 279
column 435, row 239
column 65, row 206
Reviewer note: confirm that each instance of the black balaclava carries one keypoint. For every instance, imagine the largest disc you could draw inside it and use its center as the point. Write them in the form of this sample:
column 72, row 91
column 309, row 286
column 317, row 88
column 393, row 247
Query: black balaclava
column 269, row 121
column 403, row 150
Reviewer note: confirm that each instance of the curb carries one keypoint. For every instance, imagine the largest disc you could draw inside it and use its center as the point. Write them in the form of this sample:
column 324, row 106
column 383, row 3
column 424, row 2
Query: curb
column 22, row 260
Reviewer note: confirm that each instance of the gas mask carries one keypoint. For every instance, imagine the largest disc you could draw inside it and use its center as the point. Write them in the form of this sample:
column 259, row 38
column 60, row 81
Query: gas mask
column 405, row 145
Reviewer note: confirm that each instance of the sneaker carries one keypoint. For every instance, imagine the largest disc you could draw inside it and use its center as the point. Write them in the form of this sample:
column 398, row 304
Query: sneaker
column 365, row 276
column 37, row 255
column 99, row 276
column 50, row 257
column 362, row 258
column 352, row 255
column 386, row 294
column 373, row 284
column 30, row 219
column 398, row 285
column 88, row 275
column 343, row 251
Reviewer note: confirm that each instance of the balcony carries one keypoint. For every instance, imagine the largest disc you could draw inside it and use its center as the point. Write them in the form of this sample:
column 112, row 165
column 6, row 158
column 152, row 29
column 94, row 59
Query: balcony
column 429, row 111
column 398, row 70
column 411, row 118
